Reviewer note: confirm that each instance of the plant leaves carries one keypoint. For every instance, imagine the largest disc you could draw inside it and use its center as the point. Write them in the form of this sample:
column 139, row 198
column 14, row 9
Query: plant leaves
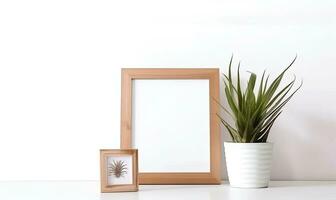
column 255, row 110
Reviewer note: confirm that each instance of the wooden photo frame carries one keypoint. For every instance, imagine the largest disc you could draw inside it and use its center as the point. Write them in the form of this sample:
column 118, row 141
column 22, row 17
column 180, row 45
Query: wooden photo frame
column 119, row 170
column 199, row 167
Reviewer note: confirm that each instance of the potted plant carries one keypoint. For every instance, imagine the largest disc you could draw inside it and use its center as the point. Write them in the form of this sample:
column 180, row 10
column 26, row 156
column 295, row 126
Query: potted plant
column 253, row 111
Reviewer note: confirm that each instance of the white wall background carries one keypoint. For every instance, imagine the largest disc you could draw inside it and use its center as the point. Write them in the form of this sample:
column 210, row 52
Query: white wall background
column 60, row 74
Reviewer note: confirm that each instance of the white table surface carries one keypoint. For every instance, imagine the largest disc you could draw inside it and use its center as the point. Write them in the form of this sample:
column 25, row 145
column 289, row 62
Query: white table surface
column 89, row 190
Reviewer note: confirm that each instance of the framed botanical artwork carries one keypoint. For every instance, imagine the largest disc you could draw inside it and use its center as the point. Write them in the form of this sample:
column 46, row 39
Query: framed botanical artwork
column 119, row 170
column 169, row 115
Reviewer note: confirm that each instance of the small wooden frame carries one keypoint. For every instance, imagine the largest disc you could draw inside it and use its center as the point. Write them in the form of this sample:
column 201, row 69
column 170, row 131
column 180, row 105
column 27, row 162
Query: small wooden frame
column 115, row 180
column 211, row 74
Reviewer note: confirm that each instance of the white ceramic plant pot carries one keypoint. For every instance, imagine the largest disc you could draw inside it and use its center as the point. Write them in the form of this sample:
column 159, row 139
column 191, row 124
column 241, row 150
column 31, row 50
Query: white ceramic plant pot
column 248, row 164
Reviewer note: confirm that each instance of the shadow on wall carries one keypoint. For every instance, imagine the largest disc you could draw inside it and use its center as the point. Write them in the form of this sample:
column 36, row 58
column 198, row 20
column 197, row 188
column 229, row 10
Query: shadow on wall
column 305, row 151
column 224, row 134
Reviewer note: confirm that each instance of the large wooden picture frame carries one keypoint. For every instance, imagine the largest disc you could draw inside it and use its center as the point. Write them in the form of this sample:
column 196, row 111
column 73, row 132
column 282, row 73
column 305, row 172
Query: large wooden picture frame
column 212, row 75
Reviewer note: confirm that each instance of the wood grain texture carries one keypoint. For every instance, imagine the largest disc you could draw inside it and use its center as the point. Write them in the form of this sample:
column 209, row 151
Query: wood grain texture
column 104, row 154
column 212, row 74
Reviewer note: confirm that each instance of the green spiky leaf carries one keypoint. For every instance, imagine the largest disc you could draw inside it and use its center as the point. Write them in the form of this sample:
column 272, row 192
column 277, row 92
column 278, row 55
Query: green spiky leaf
column 255, row 110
